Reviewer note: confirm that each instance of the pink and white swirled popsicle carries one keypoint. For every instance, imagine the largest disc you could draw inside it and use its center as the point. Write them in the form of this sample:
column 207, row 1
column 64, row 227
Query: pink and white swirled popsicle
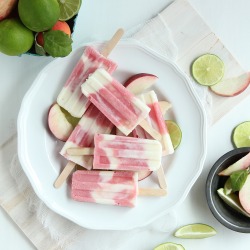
column 92, row 122
column 117, row 103
column 156, row 120
column 71, row 97
column 118, row 188
column 114, row 152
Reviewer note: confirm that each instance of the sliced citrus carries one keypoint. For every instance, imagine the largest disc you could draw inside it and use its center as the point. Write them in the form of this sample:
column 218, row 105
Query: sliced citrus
column 241, row 135
column 174, row 132
column 169, row 246
column 195, row 231
column 208, row 69
column 68, row 8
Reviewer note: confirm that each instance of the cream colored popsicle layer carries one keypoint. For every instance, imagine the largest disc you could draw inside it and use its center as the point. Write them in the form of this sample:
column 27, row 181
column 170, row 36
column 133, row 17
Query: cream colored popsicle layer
column 114, row 152
column 156, row 120
column 71, row 97
column 118, row 104
column 118, row 188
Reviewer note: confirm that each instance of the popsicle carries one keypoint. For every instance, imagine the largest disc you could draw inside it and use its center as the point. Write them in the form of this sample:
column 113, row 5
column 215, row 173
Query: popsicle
column 156, row 120
column 71, row 97
column 91, row 123
column 118, row 188
column 117, row 103
column 105, row 187
column 114, row 152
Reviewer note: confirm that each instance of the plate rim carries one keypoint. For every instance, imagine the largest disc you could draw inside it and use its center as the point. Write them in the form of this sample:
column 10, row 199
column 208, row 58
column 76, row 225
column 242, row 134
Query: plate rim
column 151, row 52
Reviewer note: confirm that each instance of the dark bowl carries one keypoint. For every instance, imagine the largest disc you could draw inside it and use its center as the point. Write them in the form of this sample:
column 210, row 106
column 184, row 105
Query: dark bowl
column 221, row 211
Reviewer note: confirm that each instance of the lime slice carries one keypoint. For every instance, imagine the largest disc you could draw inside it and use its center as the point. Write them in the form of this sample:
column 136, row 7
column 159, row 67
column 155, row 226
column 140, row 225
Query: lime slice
column 169, row 246
column 208, row 69
column 68, row 8
column 174, row 132
column 195, row 231
column 241, row 135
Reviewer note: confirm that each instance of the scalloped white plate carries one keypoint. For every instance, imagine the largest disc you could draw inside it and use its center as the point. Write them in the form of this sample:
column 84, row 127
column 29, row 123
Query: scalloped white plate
column 39, row 155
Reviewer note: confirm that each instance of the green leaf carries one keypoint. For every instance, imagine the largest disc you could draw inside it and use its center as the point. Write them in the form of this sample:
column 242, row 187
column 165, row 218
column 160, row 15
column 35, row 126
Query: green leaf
column 238, row 179
column 57, row 43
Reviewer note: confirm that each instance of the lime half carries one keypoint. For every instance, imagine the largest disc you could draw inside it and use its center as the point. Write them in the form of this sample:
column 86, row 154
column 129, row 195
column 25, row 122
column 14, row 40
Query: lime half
column 169, row 246
column 68, row 8
column 208, row 69
column 195, row 231
column 174, row 132
column 241, row 135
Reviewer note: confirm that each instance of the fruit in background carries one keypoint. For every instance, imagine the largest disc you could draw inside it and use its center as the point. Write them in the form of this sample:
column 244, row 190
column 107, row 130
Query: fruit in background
column 169, row 246
column 164, row 106
column 68, row 8
column 60, row 122
column 244, row 195
column 174, row 132
column 208, row 69
column 140, row 82
column 232, row 86
column 15, row 38
column 38, row 15
column 59, row 25
column 241, row 135
column 6, row 6
column 143, row 174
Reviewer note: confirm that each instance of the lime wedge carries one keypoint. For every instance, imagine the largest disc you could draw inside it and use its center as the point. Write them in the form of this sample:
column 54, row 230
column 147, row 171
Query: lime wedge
column 195, row 231
column 208, row 69
column 241, row 135
column 228, row 187
column 174, row 132
column 169, row 246
column 68, row 8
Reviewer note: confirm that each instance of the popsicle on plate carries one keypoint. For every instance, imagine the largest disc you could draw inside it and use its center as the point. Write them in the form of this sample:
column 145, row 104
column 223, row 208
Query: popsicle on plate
column 114, row 152
column 118, row 188
column 156, row 120
column 118, row 104
column 71, row 97
column 91, row 123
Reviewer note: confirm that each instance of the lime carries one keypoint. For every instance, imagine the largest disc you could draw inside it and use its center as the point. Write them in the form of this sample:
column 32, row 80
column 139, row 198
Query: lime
column 68, row 8
column 195, row 231
column 208, row 69
column 169, row 246
column 174, row 132
column 228, row 187
column 38, row 15
column 241, row 135
column 15, row 38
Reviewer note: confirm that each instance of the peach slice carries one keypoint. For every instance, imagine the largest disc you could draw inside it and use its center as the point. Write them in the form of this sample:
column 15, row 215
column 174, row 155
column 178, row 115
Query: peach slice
column 59, row 123
column 6, row 6
column 244, row 195
column 232, row 86
column 241, row 164
column 140, row 82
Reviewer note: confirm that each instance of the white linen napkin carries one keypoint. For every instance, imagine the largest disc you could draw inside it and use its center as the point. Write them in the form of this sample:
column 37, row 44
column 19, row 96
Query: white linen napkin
column 48, row 230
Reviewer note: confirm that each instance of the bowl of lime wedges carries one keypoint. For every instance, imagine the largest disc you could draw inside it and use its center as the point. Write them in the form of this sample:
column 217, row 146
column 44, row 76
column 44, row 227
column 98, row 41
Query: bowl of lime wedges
column 228, row 190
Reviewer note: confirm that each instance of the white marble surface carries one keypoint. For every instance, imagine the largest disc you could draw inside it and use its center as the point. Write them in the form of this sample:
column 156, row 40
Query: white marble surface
column 97, row 21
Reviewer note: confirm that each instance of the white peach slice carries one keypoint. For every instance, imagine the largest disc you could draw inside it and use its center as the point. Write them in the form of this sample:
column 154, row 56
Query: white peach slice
column 232, row 86
column 143, row 174
column 139, row 82
column 164, row 106
column 59, row 125
column 241, row 164
column 244, row 195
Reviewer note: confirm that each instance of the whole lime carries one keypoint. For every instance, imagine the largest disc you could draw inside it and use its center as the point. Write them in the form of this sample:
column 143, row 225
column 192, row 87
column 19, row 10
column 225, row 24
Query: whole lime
column 15, row 38
column 38, row 15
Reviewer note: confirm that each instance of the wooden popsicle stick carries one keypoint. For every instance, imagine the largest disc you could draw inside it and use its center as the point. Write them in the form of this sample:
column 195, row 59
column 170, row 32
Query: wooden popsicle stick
column 80, row 151
column 64, row 175
column 109, row 46
column 161, row 178
column 152, row 192
column 155, row 134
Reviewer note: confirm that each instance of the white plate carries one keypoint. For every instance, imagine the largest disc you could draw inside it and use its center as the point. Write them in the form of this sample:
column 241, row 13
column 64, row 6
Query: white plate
column 39, row 151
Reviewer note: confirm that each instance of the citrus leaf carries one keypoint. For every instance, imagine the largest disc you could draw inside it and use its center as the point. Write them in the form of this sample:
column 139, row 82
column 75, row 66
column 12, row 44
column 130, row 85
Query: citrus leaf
column 238, row 179
column 57, row 43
